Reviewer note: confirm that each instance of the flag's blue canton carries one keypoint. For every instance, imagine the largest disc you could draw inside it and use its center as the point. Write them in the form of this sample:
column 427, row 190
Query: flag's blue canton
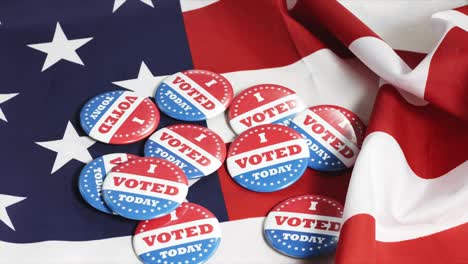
column 48, row 100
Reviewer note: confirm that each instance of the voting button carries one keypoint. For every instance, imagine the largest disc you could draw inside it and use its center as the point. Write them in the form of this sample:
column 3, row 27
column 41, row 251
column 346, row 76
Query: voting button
column 197, row 150
column 145, row 188
column 267, row 158
column 190, row 234
column 263, row 104
column 304, row 226
column 119, row 117
column 93, row 174
column 194, row 95
column 334, row 135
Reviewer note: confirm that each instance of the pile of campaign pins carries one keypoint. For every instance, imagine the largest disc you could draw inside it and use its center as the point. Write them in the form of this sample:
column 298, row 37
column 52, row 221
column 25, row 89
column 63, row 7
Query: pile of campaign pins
column 278, row 138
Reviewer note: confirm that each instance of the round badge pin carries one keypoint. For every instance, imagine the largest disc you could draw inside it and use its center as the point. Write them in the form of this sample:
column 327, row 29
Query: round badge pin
column 334, row 135
column 304, row 226
column 197, row 150
column 119, row 117
column 93, row 174
column 263, row 104
column 145, row 188
column 190, row 234
column 267, row 158
column 194, row 95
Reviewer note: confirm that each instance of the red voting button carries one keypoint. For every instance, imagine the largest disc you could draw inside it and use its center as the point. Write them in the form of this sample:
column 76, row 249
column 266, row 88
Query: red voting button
column 334, row 135
column 119, row 117
column 145, row 188
column 93, row 175
column 194, row 95
column 197, row 150
column 304, row 226
column 190, row 234
column 267, row 158
column 263, row 104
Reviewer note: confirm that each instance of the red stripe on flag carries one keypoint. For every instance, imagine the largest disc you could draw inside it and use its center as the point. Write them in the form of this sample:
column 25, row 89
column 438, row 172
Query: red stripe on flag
column 234, row 35
column 462, row 9
column 429, row 138
column 333, row 17
column 357, row 241
column 447, row 83
column 411, row 58
column 358, row 245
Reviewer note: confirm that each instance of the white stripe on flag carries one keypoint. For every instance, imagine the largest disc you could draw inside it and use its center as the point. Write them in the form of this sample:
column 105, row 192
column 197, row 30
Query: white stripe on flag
column 189, row 5
column 245, row 236
column 404, row 205
column 404, row 25
column 389, row 65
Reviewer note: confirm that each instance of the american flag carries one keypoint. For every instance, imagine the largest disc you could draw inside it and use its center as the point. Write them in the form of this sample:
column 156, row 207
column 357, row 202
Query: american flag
column 405, row 200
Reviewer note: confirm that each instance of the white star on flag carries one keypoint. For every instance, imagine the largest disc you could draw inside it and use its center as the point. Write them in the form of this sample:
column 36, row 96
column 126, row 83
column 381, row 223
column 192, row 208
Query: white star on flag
column 71, row 146
column 4, row 98
column 145, row 84
column 5, row 201
column 60, row 48
column 119, row 3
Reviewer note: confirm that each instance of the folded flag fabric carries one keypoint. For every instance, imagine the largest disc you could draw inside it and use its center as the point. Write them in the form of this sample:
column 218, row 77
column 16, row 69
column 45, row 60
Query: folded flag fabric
column 405, row 199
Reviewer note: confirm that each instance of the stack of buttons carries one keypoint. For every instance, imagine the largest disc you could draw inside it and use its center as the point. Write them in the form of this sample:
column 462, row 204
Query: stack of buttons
column 93, row 175
column 277, row 141
column 268, row 157
column 145, row 188
column 153, row 188
column 334, row 136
